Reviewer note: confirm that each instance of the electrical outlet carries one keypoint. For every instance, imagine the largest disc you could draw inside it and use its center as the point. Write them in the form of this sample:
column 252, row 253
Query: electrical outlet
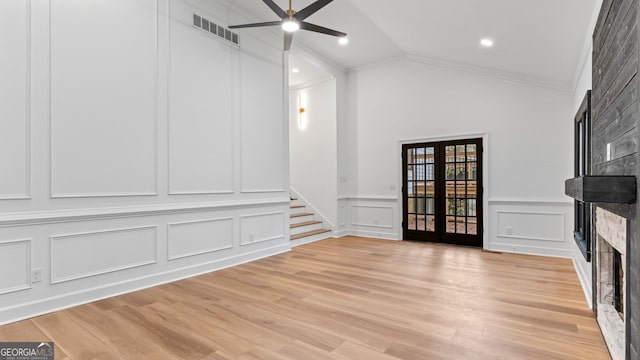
column 608, row 152
column 36, row 276
column 251, row 236
column 509, row 230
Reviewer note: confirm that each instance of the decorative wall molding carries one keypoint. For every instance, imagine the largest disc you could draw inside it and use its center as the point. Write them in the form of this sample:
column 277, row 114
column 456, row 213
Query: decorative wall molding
column 369, row 197
column 276, row 232
column 54, row 239
column 264, row 191
column 28, row 130
column 65, row 216
column 526, row 202
column 356, row 223
column 559, row 239
column 182, row 17
column 201, row 192
column 203, row 251
column 342, row 215
column 156, row 91
column 27, row 269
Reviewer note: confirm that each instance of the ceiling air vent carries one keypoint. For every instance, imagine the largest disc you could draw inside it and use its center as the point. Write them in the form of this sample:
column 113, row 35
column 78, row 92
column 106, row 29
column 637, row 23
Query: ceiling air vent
column 215, row 29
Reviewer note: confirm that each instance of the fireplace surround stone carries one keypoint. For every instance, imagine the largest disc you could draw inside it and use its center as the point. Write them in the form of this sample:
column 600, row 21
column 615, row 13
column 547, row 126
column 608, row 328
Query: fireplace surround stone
column 611, row 232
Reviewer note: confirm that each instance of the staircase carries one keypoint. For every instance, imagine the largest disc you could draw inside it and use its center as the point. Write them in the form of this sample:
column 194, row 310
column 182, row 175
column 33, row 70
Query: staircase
column 304, row 226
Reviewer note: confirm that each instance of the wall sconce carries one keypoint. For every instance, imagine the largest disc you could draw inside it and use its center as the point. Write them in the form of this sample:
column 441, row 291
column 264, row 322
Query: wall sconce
column 302, row 123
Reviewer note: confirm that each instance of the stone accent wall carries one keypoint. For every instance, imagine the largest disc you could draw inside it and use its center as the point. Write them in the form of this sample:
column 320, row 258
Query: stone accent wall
column 616, row 113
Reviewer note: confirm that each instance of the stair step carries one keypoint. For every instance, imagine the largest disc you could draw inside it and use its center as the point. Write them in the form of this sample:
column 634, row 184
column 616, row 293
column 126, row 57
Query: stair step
column 309, row 233
column 305, row 223
column 293, row 198
column 300, row 215
column 296, row 206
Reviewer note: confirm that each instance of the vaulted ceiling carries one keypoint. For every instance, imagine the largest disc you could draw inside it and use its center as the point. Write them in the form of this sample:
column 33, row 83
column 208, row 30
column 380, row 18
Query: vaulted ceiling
column 533, row 39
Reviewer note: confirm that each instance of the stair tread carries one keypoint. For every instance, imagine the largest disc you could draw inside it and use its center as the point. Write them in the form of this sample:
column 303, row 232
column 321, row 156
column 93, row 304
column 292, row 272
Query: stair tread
column 293, row 198
column 305, row 223
column 309, row 233
column 300, row 215
column 296, row 206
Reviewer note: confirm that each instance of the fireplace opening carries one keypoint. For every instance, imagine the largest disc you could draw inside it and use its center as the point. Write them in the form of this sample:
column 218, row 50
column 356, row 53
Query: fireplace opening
column 618, row 285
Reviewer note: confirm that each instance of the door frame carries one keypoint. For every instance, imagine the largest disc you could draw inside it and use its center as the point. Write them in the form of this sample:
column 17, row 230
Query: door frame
column 485, row 176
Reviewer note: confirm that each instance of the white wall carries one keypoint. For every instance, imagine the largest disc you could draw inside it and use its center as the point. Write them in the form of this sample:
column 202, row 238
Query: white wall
column 313, row 147
column 582, row 84
column 528, row 149
column 133, row 154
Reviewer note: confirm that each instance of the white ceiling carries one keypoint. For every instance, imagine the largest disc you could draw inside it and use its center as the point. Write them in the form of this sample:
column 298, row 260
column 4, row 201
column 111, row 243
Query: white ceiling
column 537, row 39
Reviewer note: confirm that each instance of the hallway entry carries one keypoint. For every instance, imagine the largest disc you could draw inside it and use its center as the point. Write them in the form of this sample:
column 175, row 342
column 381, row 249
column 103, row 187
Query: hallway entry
column 442, row 192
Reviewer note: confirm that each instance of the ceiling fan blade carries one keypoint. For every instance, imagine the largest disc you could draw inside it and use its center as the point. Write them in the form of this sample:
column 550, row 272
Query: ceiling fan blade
column 288, row 39
column 269, row 23
column 320, row 29
column 311, row 9
column 276, row 9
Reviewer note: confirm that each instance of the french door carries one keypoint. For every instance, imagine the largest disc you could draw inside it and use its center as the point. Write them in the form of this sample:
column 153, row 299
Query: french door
column 442, row 192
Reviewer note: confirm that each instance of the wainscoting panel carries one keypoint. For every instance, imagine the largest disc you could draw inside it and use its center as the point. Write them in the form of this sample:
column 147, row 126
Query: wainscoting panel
column 263, row 128
column 15, row 265
column 15, row 95
column 529, row 225
column 262, row 227
column 191, row 238
column 78, row 256
column 372, row 216
column 103, row 119
column 200, row 102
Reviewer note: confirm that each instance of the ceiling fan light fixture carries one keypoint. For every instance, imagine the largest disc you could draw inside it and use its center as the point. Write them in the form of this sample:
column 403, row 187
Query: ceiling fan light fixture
column 486, row 42
column 290, row 25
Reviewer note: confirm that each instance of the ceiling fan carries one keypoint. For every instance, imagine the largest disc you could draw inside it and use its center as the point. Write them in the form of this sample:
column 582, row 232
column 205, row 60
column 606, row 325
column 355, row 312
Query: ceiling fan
column 291, row 21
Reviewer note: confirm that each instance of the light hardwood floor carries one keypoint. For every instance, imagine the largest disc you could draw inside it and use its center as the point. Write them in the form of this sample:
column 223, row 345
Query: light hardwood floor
column 349, row 298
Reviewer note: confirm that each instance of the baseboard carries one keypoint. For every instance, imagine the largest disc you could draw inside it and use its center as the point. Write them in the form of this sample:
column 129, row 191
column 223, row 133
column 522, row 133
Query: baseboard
column 530, row 250
column 369, row 234
column 586, row 285
column 61, row 302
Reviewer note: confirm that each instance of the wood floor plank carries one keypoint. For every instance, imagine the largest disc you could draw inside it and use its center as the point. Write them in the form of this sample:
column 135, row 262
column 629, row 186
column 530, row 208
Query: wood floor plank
column 70, row 337
column 349, row 298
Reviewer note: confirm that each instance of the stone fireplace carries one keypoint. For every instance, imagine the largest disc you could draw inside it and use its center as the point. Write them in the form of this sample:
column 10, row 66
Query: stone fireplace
column 611, row 245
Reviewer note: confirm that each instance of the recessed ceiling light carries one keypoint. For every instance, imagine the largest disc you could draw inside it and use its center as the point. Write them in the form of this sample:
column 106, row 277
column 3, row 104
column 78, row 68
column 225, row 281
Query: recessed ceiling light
column 486, row 43
column 343, row 40
column 295, row 70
